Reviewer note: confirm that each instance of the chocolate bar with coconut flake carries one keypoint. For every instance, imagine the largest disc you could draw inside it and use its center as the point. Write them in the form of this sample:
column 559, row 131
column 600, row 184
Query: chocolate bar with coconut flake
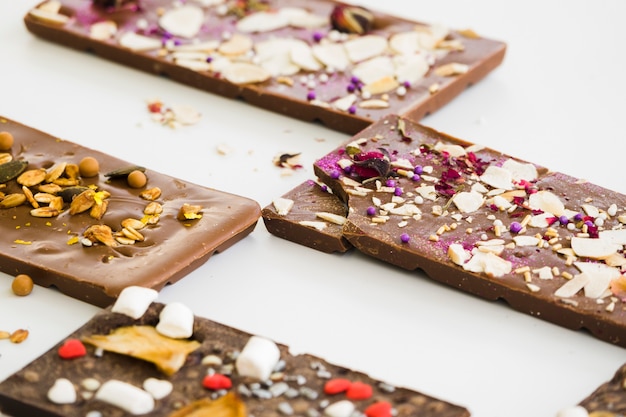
column 104, row 255
column 483, row 222
column 297, row 384
column 320, row 61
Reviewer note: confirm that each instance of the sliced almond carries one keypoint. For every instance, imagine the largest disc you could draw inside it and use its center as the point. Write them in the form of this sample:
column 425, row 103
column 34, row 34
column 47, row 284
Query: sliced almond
column 374, row 69
column 313, row 224
column 451, row 69
column 136, row 42
column 410, row 68
column 302, row 55
column 332, row 218
column 103, row 30
column 344, row 103
column 204, row 46
column 245, row 73
column 238, row 44
column 184, row 21
column 49, row 17
column 573, row 286
column 194, row 64
column 365, row 47
column 405, row 42
column 497, row 177
column 262, row 22
column 468, row 201
column 332, row 55
column 546, row 201
column 374, row 104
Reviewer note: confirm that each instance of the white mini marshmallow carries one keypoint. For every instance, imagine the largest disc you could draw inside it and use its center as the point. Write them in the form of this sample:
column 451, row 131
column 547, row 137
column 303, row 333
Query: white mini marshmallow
column 133, row 301
column 128, row 397
column 258, row 358
column 176, row 321
column 158, row 388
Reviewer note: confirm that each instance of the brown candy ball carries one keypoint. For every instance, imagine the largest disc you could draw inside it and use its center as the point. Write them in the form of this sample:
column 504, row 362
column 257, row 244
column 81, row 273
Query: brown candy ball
column 89, row 167
column 137, row 179
column 22, row 285
column 6, row 141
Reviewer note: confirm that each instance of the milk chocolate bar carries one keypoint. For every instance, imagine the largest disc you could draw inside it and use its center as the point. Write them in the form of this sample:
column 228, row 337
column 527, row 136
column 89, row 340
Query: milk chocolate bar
column 483, row 222
column 91, row 236
column 309, row 215
column 325, row 61
column 212, row 378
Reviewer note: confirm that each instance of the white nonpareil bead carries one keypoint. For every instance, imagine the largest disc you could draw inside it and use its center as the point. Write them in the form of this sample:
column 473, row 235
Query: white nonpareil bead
column 176, row 321
column 258, row 358
column 133, row 301
column 128, row 397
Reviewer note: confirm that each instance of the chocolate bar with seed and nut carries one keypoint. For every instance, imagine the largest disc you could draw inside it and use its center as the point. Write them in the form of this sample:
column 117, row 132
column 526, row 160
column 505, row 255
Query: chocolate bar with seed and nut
column 91, row 234
column 325, row 61
column 483, row 222
column 212, row 377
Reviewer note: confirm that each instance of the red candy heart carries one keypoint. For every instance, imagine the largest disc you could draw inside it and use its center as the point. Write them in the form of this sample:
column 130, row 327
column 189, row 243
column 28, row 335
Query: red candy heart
column 72, row 348
column 379, row 409
column 337, row 385
column 359, row 391
column 217, row 382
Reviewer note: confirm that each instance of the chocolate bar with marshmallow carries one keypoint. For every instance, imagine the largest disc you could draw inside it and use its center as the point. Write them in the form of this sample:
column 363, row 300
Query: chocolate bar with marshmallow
column 325, row 61
column 92, row 234
column 218, row 370
column 483, row 222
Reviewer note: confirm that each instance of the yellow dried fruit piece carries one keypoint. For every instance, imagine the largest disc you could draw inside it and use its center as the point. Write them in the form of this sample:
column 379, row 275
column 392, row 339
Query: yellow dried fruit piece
column 151, row 194
column 145, row 343
column 189, row 212
column 98, row 209
column 18, row 336
column 229, row 405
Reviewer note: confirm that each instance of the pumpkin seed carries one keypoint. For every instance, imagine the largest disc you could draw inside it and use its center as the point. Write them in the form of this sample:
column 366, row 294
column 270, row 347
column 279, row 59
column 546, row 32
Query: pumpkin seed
column 69, row 193
column 123, row 172
column 11, row 170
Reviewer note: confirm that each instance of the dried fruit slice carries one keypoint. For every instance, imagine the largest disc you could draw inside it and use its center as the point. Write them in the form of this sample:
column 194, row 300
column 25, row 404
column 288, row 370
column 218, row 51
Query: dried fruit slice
column 144, row 342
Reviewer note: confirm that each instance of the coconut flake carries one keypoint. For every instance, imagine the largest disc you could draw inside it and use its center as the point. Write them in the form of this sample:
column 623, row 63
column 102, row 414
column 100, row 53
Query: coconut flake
column 405, row 42
column 331, row 218
column 283, row 205
column 571, row 287
column 454, row 151
column 497, row 177
column 184, row 21
column 468, row 201
column 594, row 248
column 313, row 224
column 546, row 201
column 520, row 171
column 523, row 240
column 458, row 254
column 374, row 69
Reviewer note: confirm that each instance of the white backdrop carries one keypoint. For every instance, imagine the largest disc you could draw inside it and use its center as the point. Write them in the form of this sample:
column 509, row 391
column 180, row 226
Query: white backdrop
column 558, row 100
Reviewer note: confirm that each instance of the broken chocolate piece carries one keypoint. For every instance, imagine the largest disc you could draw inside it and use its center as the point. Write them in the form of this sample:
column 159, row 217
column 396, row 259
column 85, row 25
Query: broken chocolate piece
column 301, row 224
column 93, row 258
column 287, row 56
column 208, row 380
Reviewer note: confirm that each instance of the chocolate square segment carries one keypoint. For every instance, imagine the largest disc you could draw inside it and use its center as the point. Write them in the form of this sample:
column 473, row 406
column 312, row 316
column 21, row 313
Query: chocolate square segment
column 304, row 59
column 55, row 251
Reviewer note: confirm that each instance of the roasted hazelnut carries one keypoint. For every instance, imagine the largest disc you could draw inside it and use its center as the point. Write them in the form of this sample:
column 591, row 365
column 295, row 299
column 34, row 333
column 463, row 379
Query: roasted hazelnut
column 89, row 167
column 137, row 179
column 22, row 285
column 6, row 141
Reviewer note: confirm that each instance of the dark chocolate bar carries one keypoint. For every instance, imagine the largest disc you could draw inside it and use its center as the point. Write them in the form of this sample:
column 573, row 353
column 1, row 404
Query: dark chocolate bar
column 92, row 236
column 320, row 60
column 609, row 399
column 210, row 376
column 476, row 219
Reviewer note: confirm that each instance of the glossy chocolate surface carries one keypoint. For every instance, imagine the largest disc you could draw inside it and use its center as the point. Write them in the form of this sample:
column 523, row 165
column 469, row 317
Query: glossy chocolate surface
column 25, row 392
column 287, row 95
column 47, row 249
column 421, row 241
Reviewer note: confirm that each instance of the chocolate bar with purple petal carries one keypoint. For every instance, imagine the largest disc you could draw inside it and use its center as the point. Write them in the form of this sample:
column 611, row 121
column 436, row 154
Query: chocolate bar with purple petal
column 209, row 380
column 484, row 222
column 92, row 234
column 325, row 61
